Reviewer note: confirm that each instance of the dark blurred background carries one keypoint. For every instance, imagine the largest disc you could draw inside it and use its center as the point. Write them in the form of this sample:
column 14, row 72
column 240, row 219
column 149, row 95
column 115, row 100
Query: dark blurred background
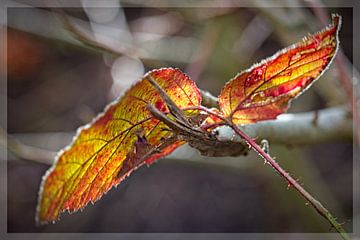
column 55, row 84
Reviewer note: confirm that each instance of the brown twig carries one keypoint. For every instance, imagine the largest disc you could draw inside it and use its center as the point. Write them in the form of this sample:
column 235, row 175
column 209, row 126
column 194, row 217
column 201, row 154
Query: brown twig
column 173, row 108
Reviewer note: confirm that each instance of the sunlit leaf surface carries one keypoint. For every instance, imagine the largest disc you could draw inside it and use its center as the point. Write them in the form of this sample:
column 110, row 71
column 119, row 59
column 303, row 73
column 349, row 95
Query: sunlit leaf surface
column 265, row 90
column 127, row 135
column 118, row 141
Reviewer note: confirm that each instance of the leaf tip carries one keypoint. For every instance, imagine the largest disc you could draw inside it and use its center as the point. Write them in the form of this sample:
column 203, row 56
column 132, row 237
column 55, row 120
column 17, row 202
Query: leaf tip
column 336, row 20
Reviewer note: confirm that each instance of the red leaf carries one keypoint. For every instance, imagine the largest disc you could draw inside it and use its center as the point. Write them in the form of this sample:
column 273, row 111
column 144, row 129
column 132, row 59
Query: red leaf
column 118, row 141
column 265, row 90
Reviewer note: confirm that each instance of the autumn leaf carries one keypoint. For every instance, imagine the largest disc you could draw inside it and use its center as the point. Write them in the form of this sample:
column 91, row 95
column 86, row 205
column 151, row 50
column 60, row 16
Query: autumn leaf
column 265, row 90
column 162, row 111
column 121, row 139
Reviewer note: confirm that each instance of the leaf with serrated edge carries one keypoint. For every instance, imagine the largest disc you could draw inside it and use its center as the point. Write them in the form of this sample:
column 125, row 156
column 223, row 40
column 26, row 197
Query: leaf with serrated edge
column 265, row 90
column 124, row 137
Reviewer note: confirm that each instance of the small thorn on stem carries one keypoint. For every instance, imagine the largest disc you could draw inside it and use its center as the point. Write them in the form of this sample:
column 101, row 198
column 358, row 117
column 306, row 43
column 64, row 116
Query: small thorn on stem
column 291, row 181
column 265, row 146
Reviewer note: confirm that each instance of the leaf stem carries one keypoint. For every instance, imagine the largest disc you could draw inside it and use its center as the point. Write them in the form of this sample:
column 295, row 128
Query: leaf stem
column 291, row 181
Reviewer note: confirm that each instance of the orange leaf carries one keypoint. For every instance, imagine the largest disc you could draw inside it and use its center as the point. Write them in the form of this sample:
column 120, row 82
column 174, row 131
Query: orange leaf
column 265, row 90
column 118, row 141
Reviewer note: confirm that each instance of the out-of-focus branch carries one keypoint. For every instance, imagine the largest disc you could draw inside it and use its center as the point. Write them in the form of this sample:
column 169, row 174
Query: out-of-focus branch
column 344, row 69
column 203, row 52
column 91, row 42
column 208, row 100
column 329, row 125
column 306, row 128
column 25, row 151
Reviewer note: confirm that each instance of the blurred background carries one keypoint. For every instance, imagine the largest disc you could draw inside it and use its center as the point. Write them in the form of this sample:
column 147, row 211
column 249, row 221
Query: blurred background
column 65, row 64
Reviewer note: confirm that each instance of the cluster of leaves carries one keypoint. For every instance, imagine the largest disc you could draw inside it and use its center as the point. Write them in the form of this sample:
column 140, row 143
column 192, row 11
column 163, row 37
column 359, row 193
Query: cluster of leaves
column 163, row 110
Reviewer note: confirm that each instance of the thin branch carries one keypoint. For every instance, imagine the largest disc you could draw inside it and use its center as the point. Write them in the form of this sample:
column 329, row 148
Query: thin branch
column 203, row 52
column 88, row 40
column 25, row 151
column 292, row 182
column 208, row 100
column 173, row 108
column 328, row 125
column 37, row 155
